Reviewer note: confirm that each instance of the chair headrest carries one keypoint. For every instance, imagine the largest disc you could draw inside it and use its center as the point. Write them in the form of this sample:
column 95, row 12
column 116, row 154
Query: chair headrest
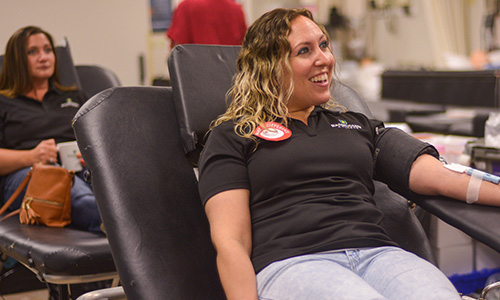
column 66, row 67
column 200, row 76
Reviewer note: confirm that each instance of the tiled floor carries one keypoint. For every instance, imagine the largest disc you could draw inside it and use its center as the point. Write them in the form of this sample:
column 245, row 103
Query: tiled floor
column 32, row 295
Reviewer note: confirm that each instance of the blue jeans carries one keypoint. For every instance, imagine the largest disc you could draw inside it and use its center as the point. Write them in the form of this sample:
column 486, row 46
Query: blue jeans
column 84, row 212
column 366, row 273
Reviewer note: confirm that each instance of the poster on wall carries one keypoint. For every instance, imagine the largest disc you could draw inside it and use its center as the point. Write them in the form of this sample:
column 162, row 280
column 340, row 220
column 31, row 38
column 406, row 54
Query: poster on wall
column 161, row 15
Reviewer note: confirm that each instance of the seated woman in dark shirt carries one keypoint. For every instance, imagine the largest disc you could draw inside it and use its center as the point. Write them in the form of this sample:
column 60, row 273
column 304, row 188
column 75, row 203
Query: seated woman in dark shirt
column 288, row 185
column 35, row 114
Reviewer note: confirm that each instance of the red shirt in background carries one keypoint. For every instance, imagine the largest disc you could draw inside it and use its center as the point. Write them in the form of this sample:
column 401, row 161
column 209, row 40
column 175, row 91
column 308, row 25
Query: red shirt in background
column 219, row 22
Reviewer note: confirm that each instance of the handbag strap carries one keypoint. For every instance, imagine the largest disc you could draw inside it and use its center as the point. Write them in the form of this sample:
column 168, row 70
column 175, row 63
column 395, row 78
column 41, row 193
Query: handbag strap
column 15, row 195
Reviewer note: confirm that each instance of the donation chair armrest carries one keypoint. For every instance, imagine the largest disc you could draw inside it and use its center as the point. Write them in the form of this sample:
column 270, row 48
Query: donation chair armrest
column 481, row 222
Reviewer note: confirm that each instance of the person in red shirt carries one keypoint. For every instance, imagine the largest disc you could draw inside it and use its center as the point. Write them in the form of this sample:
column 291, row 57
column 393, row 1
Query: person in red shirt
column 219, row 22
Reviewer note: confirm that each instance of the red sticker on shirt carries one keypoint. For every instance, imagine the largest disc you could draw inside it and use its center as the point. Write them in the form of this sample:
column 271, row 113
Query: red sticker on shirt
column 272, row 131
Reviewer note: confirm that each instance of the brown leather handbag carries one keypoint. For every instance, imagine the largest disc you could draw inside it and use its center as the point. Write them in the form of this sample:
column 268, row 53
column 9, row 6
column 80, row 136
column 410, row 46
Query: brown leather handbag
column 48, row 196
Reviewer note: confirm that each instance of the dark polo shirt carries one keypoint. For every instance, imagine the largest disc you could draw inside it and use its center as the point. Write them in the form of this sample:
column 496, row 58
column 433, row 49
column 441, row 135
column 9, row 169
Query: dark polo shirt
column 25, row 122
column 309, row 193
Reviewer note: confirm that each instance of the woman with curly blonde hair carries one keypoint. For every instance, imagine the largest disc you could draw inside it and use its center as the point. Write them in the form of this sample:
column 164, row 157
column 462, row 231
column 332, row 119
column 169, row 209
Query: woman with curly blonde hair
column 261, row 87
column 294, row 217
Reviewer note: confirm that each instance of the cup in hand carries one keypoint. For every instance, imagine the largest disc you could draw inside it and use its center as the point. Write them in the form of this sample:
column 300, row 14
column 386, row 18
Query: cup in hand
column 67, row 154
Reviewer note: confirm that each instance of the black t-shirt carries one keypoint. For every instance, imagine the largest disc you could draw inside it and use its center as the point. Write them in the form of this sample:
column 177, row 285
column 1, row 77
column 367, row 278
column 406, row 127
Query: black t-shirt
column 309, row 193
column 25, row 122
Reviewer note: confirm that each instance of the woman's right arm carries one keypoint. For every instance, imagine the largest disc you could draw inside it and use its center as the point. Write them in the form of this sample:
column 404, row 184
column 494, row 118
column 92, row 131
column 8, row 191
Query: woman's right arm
column 230, row 226
column 13, row 160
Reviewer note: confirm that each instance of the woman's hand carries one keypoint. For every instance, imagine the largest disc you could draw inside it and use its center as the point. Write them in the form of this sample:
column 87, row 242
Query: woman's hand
column 45, row 152
column 79, row 155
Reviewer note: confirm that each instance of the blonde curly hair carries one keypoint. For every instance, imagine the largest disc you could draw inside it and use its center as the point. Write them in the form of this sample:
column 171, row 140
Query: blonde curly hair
column 259, row 93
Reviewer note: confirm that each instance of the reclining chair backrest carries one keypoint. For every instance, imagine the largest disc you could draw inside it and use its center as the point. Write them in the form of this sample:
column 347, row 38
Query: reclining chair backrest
column 147, row 194
column 200, row 77
column 96, row 78
column 66, row 68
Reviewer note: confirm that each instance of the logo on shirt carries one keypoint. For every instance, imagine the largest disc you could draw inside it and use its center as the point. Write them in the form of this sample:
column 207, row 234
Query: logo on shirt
column 69, row 103
column 343, row 124
column 272, row 131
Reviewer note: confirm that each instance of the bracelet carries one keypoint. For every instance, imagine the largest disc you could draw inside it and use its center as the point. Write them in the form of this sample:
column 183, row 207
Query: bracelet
column 474, row 185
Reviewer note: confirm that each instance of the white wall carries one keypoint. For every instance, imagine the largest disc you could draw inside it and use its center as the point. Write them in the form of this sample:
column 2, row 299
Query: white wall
column 111, row 33
column 410, row 44
column 114, row 33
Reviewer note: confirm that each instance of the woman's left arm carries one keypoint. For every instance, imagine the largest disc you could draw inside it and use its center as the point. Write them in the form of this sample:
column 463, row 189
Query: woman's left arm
column 428, row 176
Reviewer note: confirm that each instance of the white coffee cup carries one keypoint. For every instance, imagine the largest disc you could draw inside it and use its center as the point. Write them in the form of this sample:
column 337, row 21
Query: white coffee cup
column 67, row 153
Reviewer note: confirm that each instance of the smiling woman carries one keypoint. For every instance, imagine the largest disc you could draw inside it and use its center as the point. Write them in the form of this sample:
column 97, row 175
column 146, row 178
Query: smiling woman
column 288, row 185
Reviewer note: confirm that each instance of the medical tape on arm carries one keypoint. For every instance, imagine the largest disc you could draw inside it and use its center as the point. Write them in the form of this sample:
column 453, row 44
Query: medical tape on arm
column 474, row 185
column 475, row 181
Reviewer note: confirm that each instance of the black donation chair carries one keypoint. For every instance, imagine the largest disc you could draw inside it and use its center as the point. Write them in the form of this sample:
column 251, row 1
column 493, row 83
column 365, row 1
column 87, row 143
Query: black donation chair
column 147, row 195
column 94, row 79
column 60, row 257
column 141, row 144
column 201, row 76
